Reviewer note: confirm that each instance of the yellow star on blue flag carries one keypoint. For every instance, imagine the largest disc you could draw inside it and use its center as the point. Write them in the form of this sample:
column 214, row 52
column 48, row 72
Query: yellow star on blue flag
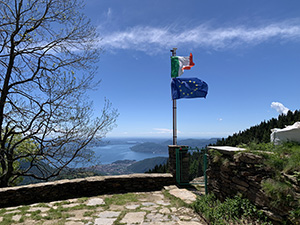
column 188, row 88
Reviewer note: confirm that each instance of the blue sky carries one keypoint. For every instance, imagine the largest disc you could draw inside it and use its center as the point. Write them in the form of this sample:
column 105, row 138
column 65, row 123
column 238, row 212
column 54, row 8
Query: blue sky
column 248, row 52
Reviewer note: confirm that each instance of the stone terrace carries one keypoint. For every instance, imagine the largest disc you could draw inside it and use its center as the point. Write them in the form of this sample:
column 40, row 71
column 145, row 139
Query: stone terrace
column 169, row 206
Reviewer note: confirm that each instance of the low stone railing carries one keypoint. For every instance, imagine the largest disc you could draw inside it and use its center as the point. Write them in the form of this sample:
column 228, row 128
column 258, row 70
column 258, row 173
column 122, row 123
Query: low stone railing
column 85, row 187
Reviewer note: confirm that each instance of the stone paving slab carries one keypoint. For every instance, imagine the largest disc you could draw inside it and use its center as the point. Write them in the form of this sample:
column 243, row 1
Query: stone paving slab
column 104, row 221
column 95, row 201
column 133, row 218
column 132, row 206
column 145, row 208
column 42, row 209
column 109, row 214
column 182, row 193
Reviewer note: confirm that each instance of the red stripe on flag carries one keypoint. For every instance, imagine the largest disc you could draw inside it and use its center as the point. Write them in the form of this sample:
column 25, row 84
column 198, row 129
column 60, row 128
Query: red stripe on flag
column 191, row 63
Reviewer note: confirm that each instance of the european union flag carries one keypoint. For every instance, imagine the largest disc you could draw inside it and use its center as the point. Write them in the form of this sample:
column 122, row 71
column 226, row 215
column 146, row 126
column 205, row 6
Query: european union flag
column 188, row 88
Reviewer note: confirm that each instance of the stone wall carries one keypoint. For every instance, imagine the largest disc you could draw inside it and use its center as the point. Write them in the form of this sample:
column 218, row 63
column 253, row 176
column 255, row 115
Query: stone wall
column 85, row 187
column 172, row 160
column 230, row 173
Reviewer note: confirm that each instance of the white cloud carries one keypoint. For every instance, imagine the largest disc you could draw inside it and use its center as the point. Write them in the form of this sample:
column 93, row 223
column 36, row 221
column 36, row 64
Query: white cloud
column 163, row 131
column 157, row 39
column 279, row 107
column 220, row 119
column 109, row 13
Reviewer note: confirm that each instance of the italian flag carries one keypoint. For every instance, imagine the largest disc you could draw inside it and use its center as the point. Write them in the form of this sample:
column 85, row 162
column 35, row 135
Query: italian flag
column 180, row 63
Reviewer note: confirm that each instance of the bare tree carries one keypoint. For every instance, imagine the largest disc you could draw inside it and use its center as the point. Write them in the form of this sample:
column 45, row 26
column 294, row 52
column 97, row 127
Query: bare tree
column 47, row 63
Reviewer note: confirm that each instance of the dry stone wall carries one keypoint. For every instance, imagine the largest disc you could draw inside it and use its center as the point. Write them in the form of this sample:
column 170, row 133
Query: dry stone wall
column 230, row 173
column 85, row 187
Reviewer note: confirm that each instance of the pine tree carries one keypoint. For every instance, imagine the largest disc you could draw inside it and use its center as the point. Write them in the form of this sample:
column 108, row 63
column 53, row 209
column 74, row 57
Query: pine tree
column 260, row 133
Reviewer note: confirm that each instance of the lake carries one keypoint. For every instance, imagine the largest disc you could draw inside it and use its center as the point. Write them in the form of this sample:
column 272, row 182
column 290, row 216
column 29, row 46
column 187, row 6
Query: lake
column 110, row 153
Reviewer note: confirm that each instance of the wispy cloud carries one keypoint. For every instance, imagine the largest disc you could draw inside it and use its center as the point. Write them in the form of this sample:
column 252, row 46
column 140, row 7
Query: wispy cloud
column 279, row 107
column 163, row 131
column 109, row 13
column 151, row 39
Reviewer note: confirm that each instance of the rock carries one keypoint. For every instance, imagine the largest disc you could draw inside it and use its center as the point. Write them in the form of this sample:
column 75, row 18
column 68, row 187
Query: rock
column 95, row 201
column 74, row 223
column 184, row 195
column 189, row 223
column 239, row 182
column 148, row 204
column 107, row 218
column 42, row 209
column 71, row 205
column 164, row 211
column 273, row 216
column 161, row 202
column 248, row 158
column 12, row 212
column 132, row 206
column 105, row 221
column 109, row 214
column 225, row 168
column 133, row 218
column 16, row 218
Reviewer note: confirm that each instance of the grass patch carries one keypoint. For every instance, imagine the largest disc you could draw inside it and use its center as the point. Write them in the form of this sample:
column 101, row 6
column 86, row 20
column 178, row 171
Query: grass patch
column 2, row 211
column 7, row 221
column 119, row 223
column 52, row 214
column 60, row 203
column 24, row 209
column 35, row 215
column 174, row 202
column 231, row 211
column 118, row 220
column 89, row 213
column 280, row 192
column 282, row 158
column 121, row 199
column 295, row 215
column 44, row 205
column 82, row 200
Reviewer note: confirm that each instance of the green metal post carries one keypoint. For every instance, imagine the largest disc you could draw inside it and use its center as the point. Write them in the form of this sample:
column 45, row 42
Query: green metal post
column 179, row 152
column 205, row 168
column 177, row 166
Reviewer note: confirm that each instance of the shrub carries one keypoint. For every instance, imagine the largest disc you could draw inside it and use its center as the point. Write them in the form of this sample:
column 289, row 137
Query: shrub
column 232, row 210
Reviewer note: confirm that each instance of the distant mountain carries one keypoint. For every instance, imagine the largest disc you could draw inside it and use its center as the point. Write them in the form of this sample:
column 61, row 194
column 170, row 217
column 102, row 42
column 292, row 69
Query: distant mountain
column 116, row 168
column 150, row 147
column 66, row 173
column 146, row 164
column 121, row 141
column 191, row 142
column 162, row 148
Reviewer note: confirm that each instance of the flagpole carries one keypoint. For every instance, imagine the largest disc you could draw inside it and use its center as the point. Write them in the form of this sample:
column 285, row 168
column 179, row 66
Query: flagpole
column 174, row 111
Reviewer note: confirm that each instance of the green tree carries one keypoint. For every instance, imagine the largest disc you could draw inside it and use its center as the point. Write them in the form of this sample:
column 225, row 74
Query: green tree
column 261, row 132
column 47, row 64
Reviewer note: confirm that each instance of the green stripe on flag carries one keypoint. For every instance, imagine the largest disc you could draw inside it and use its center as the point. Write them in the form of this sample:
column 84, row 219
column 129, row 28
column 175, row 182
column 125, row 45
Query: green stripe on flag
column 174, row 66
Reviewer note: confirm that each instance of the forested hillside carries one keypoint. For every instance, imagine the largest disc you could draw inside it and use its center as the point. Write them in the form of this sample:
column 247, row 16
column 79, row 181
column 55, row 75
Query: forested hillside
column 147, row 164
column 260, row 133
